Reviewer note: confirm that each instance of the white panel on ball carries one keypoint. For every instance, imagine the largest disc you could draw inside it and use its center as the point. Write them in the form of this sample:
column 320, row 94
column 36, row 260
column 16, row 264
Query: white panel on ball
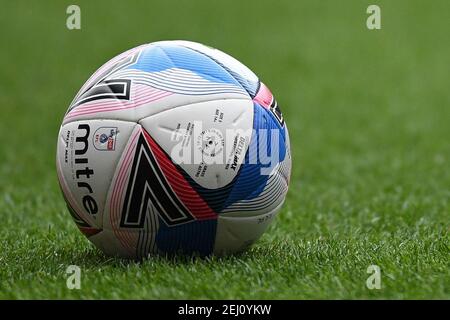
column 208, row 140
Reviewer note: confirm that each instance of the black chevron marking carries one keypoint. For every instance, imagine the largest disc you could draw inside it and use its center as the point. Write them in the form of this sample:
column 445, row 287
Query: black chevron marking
column 148, row 184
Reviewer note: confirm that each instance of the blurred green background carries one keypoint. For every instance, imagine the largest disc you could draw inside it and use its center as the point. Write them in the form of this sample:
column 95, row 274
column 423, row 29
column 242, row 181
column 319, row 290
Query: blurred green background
column 368, row 114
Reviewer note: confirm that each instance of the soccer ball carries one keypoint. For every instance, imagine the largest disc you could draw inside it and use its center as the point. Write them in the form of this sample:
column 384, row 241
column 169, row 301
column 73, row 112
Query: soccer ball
column 173, row 147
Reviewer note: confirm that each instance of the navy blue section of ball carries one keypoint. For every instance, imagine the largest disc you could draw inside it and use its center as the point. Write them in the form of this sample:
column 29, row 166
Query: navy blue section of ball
column 193, row 237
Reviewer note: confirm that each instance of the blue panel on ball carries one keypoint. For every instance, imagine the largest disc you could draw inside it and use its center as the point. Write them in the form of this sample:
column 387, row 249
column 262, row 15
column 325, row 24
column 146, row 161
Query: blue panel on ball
column 250, row 86
column 194, row 237
column 249, row 182
column 160, row 57
column 252, row 179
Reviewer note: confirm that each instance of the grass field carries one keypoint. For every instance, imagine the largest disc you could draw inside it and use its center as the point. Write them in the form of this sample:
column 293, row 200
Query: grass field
column 368, row 114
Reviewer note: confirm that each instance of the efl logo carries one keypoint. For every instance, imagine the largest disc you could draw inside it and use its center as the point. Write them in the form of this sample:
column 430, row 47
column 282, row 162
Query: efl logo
column 105, row 139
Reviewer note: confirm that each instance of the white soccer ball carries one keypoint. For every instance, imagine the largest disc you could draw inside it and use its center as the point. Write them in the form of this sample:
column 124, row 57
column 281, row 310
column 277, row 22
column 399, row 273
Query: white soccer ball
column 173, row 147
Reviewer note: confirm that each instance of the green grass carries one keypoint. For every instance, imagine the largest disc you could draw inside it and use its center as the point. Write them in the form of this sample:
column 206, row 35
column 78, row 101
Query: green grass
column 368, row 114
